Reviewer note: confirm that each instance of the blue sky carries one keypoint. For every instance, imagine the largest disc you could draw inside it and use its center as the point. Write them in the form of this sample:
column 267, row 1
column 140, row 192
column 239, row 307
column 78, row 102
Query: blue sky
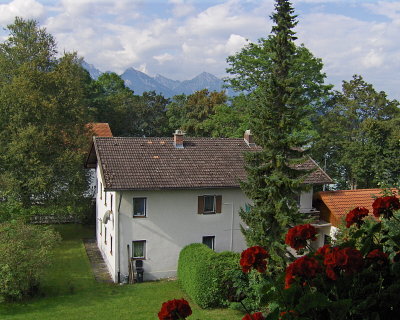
column 182, row 38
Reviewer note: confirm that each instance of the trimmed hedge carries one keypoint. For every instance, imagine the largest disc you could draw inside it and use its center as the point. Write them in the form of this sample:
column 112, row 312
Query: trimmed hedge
column 206, row 275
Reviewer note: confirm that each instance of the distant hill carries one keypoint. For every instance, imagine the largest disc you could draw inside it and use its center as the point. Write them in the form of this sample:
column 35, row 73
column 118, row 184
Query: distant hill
column 140, row 82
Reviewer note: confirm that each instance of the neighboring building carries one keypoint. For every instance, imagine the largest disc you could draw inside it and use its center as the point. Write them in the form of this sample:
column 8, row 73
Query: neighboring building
column 334, row 205
column 157, row 195
column 96, row 129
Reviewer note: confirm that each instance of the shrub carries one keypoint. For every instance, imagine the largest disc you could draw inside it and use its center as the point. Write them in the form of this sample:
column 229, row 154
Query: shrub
column 24, row 252
column 206, row 275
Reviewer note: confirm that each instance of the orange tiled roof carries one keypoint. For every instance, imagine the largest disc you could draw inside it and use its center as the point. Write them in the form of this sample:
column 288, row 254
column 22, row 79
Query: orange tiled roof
column 100, row 129
column 340, row 202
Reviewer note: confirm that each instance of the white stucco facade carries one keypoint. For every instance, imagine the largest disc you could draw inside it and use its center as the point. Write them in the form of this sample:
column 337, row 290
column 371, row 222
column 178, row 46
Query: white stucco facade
column 171, row 222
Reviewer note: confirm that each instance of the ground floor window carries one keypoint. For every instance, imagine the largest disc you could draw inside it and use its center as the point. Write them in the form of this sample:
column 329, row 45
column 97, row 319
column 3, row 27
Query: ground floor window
column 111, row 244
column 139, row 249
column 209, row 241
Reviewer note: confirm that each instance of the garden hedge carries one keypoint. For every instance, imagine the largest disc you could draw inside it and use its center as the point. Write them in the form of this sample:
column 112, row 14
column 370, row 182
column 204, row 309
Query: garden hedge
column 206, row 276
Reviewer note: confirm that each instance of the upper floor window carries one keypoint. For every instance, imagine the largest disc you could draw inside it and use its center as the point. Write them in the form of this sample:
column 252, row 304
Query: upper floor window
column 209, row 204
column 101, row 191
column 139, row 207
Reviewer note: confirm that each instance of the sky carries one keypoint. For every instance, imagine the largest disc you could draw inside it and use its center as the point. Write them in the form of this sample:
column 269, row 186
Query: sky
column 181, row 38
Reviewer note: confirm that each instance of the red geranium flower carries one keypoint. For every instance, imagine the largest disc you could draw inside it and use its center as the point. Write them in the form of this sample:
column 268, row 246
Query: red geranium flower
column 348, row 260
column 355, row 216
column 174, row 310
column 254, row 257
column 254, row 316
column 385, row 206
column 304, row 268
column 297, row 236
column 323, row 250
column 287, row 314
column 378, row 257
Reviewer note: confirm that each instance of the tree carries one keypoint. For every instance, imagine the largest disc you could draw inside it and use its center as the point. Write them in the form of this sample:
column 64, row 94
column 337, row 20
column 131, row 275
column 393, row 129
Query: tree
column 191, row 113
column 43, row 112
column 279, row 107
column 114, row 103
column 359, row 124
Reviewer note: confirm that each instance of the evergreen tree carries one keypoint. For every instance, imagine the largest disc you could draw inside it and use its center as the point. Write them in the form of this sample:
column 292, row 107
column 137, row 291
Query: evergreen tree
column 275, row 118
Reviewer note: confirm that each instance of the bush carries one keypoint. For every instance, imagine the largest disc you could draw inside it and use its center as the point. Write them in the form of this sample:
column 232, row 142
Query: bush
column 24, row 252
column 206, row 276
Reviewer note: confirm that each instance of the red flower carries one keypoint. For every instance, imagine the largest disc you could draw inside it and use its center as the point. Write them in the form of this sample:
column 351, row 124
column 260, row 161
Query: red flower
column 254, row 316
column 254, row 257
column 304, row 268
column 378, row 257
column 297, row 236
column 355, row 216
column 287, row 314
column 323, row 251
column 348, row 260
column 385, row 206
column 174, row 310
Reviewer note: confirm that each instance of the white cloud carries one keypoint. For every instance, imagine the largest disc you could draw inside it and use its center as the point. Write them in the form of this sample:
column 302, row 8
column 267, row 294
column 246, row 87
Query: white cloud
column 163, row 58
column 28, row 9
column 182, row 8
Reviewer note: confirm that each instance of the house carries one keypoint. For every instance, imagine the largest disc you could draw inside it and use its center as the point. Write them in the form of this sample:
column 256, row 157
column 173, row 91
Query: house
column 157, row 195
column 96, row 129
column 334, row 206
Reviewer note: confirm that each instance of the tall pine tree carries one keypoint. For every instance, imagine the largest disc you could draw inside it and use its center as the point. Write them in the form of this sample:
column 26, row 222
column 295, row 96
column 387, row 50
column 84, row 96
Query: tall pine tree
column 277, row 113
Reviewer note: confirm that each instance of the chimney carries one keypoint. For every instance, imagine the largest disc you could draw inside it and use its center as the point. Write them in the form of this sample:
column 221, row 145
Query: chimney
column 248, row 138
column 178, row 139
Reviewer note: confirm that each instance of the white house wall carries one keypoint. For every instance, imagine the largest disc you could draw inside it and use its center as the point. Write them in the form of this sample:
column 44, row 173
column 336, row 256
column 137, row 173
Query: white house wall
column 105, row 233
column 172, row 222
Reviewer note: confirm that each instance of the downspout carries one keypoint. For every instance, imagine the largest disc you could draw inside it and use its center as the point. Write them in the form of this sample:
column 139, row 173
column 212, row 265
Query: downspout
column 118, row 239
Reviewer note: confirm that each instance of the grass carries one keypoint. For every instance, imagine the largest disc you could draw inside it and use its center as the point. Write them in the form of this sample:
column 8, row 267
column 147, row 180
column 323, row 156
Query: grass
column 70, row 292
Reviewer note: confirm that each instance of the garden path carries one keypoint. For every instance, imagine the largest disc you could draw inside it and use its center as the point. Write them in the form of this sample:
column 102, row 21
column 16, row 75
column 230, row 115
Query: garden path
column 99, row 267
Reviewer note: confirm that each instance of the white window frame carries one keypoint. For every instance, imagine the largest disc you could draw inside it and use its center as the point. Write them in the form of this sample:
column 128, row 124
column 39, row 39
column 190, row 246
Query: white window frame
column 144, row 249
column 145, row 208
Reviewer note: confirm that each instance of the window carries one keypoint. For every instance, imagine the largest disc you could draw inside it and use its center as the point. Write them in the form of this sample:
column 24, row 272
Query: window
column 209, row 204
column 105, row 198
column 110, row 244
column 139, row 249
column 101, row 191
column 100, row 227
column 111, row 201
column 139, row 207
column 105, row 235
column 209, row 241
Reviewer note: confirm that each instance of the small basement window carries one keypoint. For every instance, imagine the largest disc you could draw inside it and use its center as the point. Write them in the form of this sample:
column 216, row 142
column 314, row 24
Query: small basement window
column 209, row 241
column 139, row 249
column 139, row 207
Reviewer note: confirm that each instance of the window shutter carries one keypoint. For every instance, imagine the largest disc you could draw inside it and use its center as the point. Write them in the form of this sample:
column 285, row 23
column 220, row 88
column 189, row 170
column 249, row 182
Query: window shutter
column 218, row 205
column 200, row 205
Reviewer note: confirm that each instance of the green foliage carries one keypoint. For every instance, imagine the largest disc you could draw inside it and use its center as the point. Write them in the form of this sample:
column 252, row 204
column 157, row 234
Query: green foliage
column 206, row 275
column 194, row 113
column 43, row 112
column 24, row 254
column 358, row 124
column 281, row 98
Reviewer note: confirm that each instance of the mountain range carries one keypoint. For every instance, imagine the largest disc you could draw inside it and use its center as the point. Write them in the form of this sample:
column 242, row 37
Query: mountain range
column 140, row 82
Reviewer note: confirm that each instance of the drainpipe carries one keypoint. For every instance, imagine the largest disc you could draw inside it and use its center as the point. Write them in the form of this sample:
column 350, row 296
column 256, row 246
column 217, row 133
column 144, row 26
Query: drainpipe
column 118, row 239
column 232, row 223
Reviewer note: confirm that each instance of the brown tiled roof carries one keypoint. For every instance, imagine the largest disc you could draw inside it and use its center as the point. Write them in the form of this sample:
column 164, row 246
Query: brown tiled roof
column 100, row 129
column 154, row 163
column 334, row 205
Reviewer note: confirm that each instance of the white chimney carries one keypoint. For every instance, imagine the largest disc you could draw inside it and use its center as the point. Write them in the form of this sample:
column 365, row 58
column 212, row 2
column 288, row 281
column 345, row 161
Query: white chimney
column 178, row 139
column 248, row 138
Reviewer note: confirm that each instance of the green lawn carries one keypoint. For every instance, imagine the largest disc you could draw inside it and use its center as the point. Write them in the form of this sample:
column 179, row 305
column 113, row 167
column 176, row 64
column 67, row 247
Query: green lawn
column 70, row 291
